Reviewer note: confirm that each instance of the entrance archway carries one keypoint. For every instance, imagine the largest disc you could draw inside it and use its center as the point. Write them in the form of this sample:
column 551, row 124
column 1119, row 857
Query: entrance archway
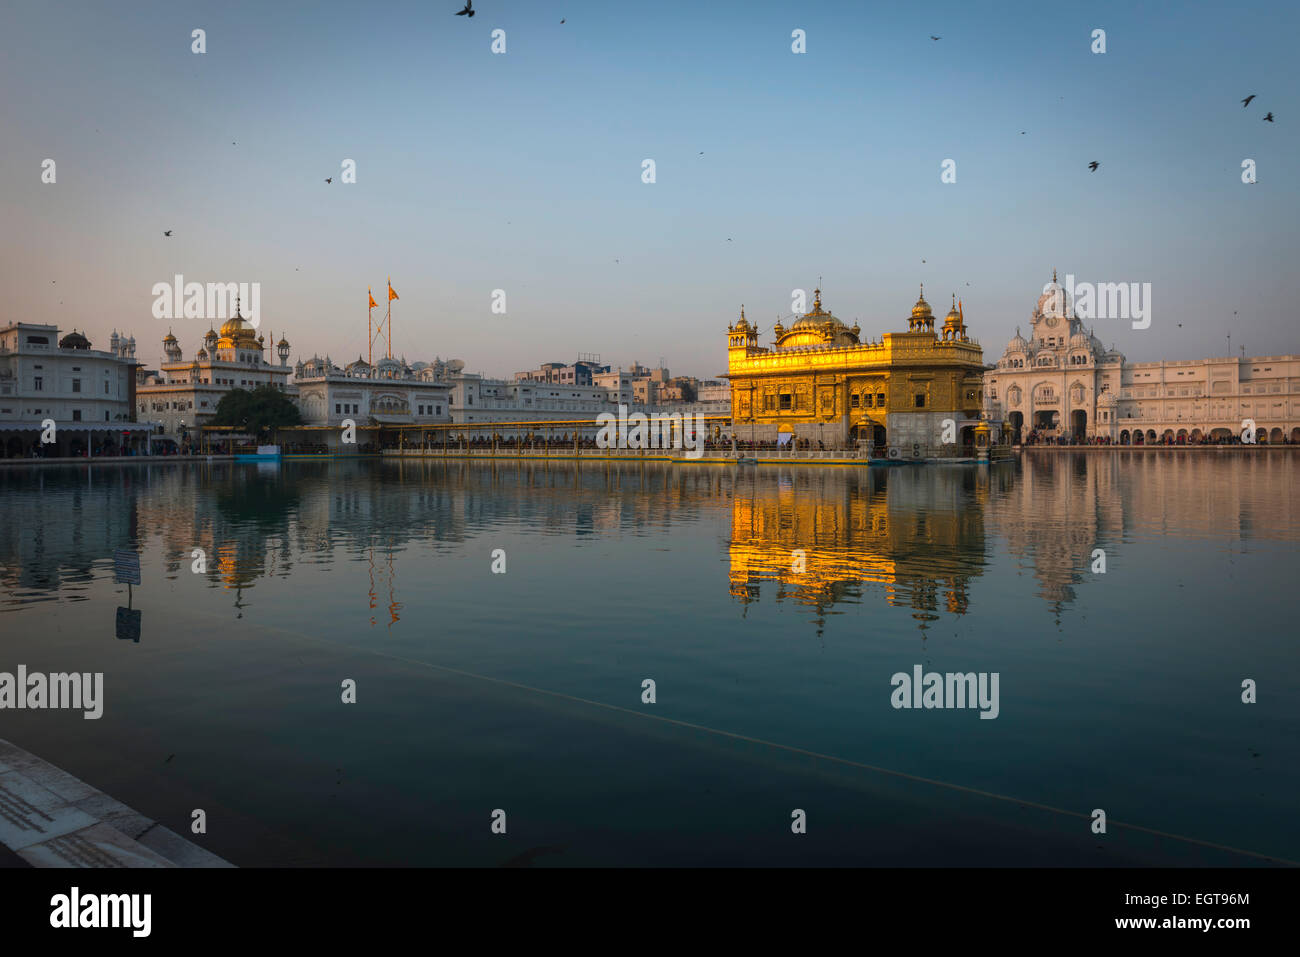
column 1079, row 425
column 1016, row 422
column 1124, row 437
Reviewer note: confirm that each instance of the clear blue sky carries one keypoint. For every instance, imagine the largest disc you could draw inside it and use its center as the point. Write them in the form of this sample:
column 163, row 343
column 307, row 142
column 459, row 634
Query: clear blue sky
column 522, row 171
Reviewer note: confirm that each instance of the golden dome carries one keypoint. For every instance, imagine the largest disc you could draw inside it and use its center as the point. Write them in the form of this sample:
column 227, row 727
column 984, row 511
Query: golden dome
column 954, row 317
column 236, row 333
column 922, row 308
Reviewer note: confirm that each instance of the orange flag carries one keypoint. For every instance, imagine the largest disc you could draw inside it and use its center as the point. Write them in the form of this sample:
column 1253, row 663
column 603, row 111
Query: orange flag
column 391, row 294
column 373, row 304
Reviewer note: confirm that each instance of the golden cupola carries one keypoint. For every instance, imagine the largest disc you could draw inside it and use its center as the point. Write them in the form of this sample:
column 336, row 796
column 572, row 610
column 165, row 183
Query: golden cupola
column 817, row 327
column 952, row 324
column 236, row 333
column 922, row 317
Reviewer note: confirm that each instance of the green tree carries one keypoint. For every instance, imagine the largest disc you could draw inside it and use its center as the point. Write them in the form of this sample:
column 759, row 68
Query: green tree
column 256, row 410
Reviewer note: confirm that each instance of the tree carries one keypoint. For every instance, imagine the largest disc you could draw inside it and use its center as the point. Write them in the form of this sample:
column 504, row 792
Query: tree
column 256, row 410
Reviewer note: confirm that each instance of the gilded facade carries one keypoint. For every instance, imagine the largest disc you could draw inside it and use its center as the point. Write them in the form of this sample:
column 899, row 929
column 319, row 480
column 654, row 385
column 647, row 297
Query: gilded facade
column 820, row 381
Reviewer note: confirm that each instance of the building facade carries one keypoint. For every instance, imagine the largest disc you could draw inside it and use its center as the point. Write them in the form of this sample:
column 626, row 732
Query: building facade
column 88, row 394
column 1060, row 383
column 820, row 382
column 389, row 393
column 185, row 394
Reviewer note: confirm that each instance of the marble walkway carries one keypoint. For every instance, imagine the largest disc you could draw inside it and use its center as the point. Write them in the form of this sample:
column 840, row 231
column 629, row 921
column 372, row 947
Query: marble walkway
column 48, row 818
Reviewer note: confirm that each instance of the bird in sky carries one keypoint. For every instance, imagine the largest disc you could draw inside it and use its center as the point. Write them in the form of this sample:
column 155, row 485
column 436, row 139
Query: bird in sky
column 1022, row 132
column 1268, row 117
column 561, row 19
column 329, row 179
column 933, row 37
column 728, row 239
column 469, row 9
column 167, row 232
column 1093, row 165
column 1246, row 102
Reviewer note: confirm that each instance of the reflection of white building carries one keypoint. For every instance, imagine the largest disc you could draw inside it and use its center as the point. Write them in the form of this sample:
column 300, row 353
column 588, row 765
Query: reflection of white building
column 388, row 393
column 1061, row 381
column 88, row 393
column 185, row 394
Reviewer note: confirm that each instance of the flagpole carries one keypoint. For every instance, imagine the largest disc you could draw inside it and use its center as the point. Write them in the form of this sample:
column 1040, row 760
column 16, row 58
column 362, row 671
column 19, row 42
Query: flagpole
column 370, row 334
column 389, row 321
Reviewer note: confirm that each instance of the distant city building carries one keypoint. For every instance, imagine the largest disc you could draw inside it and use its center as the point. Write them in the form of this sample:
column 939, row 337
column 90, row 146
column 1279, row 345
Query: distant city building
column 388, row 393
column 712, row 391
column 557, row 373
column 89, row 394
column 478, row 400
column 185, row 394
column 1062, row 382
column 820, row 382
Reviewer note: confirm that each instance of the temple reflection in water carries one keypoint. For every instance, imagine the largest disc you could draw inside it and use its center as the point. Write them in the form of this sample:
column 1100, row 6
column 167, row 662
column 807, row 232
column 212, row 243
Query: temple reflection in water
column 818, row 535
column 915, row 537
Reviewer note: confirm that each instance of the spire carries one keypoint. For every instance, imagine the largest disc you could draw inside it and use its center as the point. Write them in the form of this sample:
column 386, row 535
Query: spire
column 1053, row 276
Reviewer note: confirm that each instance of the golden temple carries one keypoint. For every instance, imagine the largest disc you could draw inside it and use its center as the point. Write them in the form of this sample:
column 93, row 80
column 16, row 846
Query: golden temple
column 917, row 393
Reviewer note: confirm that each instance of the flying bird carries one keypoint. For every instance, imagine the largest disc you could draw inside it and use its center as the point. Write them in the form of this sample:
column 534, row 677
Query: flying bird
column 1246, row 102
column 329, row 179
column 933, row 37
column 469, row 9
column 1093, row 165
column 561, row 19
column 167, row 232
column 1268, row 117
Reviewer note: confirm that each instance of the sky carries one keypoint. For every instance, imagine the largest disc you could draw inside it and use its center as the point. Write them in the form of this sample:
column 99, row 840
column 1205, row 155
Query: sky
column 522, row 171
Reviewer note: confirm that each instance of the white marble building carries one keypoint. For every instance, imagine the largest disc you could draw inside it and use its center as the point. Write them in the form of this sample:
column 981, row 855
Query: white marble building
column 1061, row 381
column 88, row 393
column 389, row 393
column 185, row 394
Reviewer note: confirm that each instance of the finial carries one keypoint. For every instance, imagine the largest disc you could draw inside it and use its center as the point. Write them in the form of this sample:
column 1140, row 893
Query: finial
column 1053, row 277
column 922, row 290
column 954, row 300
column 742, row 310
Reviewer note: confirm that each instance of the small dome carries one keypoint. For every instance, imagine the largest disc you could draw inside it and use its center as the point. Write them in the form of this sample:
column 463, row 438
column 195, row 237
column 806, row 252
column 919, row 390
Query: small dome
column 169, row 339
column 1080, row 341
column 203, row 353
column 283, row 343
column 74, row 340
column 922, row 308
column 1017, row 343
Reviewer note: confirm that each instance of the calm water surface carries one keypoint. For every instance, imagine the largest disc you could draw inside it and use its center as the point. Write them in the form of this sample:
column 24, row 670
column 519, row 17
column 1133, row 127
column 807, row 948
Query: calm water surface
column 476, row 691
